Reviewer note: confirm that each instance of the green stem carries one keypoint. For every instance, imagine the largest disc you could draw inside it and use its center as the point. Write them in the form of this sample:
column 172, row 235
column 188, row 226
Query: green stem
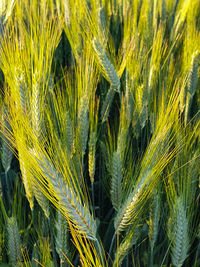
column 3, row 209
column 151, row 258
column 93, row 204
column 111, row 245
column 100, row 252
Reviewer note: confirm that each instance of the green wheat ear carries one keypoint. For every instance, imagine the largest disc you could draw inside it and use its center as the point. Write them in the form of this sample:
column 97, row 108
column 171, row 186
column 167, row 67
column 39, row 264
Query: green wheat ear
column 116, row 184
column 130, row 239
column 178, row 233
column 42, row 200
column 194, row 73
column 192, row 85
column 83, row 123
column 7, row 155
column 26, row 181
column 107, row 67
column 154, row 218
column 107, row 104
column 69, row 134
column 69, row 201
column 14, row 244
column 62, row 237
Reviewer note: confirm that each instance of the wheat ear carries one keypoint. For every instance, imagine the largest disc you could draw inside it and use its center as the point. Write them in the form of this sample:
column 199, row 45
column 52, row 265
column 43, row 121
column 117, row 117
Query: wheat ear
column 130, row 210
column 83, row 123
column 35, row 107
column 7, row 155
column 178, row 233
column 107, row 104
column 26, row 181
column 91, row 156
column 116, row 184
column 42, row 200
column 14, row 243
column 106, row 65
column 193, row 80
column 62, row 237
column 154, row 218
column 130, row 239
column 68, row 201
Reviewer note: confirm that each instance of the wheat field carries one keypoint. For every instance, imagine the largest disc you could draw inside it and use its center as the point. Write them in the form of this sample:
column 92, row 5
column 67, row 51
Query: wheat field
column 100, row 128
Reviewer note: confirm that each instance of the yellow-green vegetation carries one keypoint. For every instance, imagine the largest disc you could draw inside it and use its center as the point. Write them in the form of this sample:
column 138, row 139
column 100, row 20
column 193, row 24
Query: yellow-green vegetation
column 100, row 131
